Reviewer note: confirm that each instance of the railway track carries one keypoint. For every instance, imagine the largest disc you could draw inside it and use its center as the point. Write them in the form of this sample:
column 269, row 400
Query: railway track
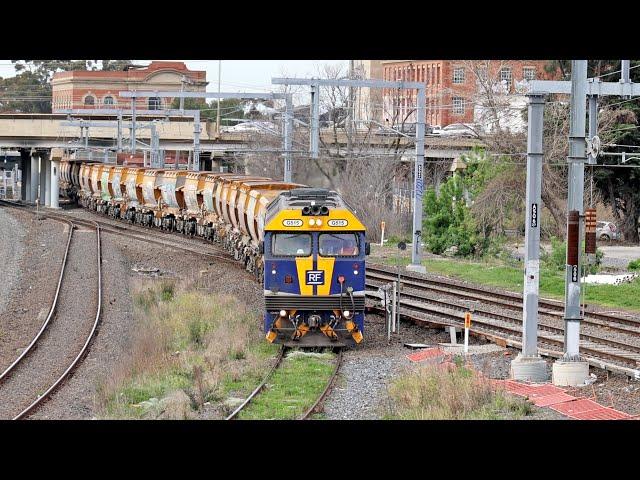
column 309, row 411
column 35, row 375
column 612, row 355
column 171, row 240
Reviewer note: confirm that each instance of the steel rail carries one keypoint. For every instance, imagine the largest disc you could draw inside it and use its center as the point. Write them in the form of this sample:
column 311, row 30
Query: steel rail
column 511, row 319
column 496, row 333
column 260, row 387
column 85, row 347
column 443, row 286
column 52, row 310
column 326, row 390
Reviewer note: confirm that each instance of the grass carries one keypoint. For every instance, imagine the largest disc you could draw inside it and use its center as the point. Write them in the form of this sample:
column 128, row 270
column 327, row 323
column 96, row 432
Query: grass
column 189, row 350
column 293, row 388
column 454, row 392
column 510, row 276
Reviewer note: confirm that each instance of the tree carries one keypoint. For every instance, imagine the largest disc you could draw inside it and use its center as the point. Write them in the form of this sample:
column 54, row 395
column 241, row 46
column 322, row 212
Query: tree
column 30, row 90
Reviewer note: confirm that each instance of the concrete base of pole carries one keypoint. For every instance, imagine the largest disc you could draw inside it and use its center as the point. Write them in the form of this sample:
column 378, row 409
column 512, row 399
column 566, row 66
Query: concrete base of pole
column 417, row 268
column 570, row 373
column 529, row 369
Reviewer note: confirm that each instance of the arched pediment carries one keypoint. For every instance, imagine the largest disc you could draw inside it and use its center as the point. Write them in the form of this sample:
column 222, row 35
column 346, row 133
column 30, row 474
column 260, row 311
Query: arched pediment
column 164, row 76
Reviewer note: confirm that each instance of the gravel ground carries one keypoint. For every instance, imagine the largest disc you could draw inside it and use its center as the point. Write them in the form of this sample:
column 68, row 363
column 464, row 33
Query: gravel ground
column 31, row 282
column 12, row 235
column 78, row 399
column 360, row 392
column 61, row 341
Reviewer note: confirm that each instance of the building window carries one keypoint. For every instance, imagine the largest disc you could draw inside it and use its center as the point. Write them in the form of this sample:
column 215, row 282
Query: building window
column 458, row 75
column 505, row 74
column 108, row 100
column 458, row 105
column 89, row 100
column 529, row 73
column 154, row 103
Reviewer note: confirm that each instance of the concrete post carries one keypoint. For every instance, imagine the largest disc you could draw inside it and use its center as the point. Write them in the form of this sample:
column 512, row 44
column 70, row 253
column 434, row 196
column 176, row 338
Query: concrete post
column 42, row 191
column 529, row 365
column 314, row 141
column 25, row 166
column 35, row 177
column 593, row 124
column 196, row 140
column 570, row 370
column 287, row 140
column 418, row 185
column 47, row 182
column 55, row 188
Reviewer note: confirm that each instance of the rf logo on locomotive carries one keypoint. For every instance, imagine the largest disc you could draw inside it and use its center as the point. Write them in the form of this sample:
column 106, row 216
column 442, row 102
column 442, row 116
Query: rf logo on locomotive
column 315, row 277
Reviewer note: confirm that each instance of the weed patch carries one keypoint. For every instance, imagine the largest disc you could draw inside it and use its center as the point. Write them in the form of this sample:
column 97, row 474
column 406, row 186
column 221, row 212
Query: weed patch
column 453, row 392
column 187, row 345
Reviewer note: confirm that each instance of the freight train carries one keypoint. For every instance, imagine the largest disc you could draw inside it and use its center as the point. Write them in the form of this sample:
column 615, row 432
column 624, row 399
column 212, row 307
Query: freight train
column 305, row 245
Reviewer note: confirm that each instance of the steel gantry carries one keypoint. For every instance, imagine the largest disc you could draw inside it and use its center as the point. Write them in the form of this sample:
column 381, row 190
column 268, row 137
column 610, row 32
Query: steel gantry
column 569, row 370
column 418, row 178
column 288, row 119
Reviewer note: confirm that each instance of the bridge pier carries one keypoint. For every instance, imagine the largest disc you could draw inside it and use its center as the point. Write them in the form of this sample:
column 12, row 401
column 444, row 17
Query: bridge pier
column 54, row 176
column 35, row 177
column 25, row 172
column 48, row 191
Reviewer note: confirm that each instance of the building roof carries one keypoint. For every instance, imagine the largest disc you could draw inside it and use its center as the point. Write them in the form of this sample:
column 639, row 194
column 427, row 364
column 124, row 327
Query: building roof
column 133, row 74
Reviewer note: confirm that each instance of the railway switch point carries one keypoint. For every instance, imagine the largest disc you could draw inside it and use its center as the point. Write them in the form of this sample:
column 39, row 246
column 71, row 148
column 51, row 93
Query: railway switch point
column 530, row 369
column 570, row 373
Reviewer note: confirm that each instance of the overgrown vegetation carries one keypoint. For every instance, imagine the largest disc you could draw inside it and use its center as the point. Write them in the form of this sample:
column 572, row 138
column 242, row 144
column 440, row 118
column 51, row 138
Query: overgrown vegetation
column 190, row 350
column 634, row 264
column 293, row 387
column 452, row 392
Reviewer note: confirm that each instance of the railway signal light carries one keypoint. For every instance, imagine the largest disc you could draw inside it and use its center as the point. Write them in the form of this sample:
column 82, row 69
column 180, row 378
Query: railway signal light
column 590, row 230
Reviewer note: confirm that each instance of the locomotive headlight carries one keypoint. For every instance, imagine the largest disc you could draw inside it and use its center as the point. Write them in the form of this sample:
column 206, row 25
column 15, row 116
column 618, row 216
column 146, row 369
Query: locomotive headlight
column 312, row 222
column 283, row 313
column 273, row 272
column 346, row 314
column 318, row 222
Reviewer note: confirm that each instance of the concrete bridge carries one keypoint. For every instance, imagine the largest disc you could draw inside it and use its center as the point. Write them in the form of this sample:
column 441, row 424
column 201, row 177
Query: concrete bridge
column 35, row 135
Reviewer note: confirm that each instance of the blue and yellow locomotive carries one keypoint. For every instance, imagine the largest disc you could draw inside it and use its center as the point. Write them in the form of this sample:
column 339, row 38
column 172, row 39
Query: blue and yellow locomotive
column 314, row 270
column 305, row 245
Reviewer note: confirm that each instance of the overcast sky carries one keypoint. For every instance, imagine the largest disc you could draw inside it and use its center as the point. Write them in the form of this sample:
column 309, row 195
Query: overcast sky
column 237, row 75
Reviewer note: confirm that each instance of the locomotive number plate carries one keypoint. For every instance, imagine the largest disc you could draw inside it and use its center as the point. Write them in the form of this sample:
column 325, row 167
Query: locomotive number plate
column 315, row 277
column 292, row 223
column 337, row 223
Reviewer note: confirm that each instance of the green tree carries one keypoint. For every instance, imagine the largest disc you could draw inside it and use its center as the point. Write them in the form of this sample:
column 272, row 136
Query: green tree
column 30, row 90
column 229, row 108
column 448, row 221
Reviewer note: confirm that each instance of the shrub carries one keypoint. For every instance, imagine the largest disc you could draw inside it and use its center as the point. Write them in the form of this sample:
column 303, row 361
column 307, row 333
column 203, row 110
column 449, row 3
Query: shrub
column 634, row 265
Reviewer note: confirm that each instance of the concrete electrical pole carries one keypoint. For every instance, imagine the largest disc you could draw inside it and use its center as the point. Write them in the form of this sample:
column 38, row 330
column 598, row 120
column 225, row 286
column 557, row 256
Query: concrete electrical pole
column 529, row 365
column 570, row 369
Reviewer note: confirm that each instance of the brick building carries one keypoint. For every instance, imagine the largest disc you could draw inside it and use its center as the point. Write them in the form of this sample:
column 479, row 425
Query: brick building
column 83, row 89
column 455, row 88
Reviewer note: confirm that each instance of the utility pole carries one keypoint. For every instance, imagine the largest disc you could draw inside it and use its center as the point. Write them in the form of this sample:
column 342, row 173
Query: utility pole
column 218, row 112
column 570, row 370
column 133, row 123
column 288, row 140
column 528, row 365
column 418, row 177
column 314, row 141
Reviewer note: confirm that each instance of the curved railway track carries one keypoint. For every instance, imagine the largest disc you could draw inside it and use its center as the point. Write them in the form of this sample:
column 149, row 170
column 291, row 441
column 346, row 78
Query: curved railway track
column 308, row 412
column 613, row 355
column 25, row 361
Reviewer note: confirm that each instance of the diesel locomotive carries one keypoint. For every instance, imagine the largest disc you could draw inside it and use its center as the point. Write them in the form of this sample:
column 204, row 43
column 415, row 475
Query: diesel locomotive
column 305, row 245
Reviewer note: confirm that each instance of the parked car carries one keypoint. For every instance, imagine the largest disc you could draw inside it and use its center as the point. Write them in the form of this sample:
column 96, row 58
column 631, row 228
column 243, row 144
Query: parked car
column 458, row 130
column 435, row 130
column 607, row 231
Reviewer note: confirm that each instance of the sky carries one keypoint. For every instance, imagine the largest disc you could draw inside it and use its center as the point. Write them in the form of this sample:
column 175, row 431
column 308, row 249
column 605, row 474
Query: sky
column 237, row 75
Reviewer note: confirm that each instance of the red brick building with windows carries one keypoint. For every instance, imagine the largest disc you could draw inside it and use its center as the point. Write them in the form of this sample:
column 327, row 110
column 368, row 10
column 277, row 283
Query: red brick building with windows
column 81, row 89
column 454, row 87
